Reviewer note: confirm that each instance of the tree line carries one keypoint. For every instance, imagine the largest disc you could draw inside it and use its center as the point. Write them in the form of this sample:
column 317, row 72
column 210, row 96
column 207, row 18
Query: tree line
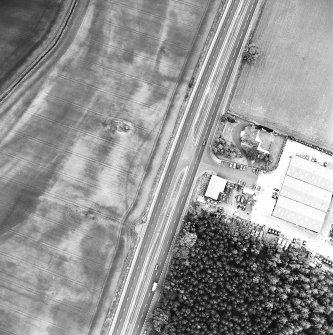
column 223, row 280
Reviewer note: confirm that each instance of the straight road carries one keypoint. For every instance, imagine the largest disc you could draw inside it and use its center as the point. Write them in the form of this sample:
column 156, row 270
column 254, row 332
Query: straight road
column 134, row 310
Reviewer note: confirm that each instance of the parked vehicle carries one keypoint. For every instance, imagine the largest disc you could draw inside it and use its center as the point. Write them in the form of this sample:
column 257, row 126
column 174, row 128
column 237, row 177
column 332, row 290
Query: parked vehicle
column 156, row 267
column 154, row 287
column 204, row 142
column 273, row 231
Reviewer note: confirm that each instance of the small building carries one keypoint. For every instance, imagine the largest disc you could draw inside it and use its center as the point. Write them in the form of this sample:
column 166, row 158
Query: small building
column 201, row 199
column 248, row 190
column 215, row 187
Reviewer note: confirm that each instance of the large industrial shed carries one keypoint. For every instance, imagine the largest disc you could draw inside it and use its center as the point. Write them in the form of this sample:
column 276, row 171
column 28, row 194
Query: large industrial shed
column 305, row 195
column 312, row 173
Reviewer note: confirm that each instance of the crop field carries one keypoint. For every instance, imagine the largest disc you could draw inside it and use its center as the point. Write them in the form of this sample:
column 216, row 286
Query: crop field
column 80, row 145
column 23, row 26
column 290, row 87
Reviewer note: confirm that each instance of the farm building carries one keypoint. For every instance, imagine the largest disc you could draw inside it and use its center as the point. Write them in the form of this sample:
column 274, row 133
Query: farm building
column 251, row 138
column 311, row 173
column 305, row 195
column 215, row 187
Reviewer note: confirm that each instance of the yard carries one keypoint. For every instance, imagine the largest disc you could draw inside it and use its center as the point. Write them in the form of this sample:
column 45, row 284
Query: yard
column 227, row 143
column 80, row 145
column 289, row 88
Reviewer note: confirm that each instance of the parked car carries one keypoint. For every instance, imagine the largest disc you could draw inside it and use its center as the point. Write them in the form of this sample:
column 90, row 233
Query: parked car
column 204, row 142
column 273, row 231
column 238, row 166
column 156, row 267
column 154, row 287
column 304, row 243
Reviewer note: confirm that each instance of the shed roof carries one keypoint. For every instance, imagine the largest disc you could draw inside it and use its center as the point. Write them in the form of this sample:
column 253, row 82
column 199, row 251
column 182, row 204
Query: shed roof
column 215, row 187
column 299, row 214
column 312, row 173
column 306, row 193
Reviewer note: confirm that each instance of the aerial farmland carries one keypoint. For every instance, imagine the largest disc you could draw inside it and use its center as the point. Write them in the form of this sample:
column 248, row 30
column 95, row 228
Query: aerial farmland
column 24, row 27
column 81, row 142
column 291, row 83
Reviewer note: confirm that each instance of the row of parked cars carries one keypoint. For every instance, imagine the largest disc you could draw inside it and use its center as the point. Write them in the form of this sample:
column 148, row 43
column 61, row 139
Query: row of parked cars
column 237, row 166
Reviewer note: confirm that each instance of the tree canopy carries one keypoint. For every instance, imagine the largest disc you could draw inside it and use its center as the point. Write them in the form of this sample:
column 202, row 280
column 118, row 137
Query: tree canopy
column 229, row 282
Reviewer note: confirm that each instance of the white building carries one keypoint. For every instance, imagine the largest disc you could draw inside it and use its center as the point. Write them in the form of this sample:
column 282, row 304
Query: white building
column 305, row 195
column 215, row 187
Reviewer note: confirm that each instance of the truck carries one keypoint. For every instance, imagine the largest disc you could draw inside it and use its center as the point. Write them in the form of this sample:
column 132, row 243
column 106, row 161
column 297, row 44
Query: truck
column 154, row 287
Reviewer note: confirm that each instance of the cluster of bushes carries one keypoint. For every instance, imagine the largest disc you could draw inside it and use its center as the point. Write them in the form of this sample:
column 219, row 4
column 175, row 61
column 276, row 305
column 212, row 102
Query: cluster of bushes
column 228, row 282
column 251, row 53
column 222, row 148
column 253, row 154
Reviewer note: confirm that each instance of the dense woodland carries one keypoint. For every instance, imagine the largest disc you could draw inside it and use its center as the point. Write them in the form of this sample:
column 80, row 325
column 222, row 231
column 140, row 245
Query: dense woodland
column 222, row 280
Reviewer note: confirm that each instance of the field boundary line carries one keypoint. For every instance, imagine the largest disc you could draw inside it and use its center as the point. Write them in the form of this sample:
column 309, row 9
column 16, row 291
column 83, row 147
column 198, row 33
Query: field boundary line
column 75, row 257
column 56, row 196
column 92, row 111
column 79, row 130
column 121, row 73
column 44, row 296
column 7, row 331
column 47, row 219
column 135, row 54
column 28, row 315
column 56, row 274
column 97, row 88
column 61, row 174
column 58, row 223
column 136, row 9
column 187, row 4
column 111, row 167
column 153, row 37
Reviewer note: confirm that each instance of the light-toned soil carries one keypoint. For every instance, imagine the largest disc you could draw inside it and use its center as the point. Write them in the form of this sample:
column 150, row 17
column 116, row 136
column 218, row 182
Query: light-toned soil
column 80, row 145
column 24, row 26
column 291, row 87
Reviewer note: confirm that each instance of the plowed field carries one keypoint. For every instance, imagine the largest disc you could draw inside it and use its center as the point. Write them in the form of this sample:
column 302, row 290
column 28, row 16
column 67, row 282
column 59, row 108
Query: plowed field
column 80, row 145
column 290, row 88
